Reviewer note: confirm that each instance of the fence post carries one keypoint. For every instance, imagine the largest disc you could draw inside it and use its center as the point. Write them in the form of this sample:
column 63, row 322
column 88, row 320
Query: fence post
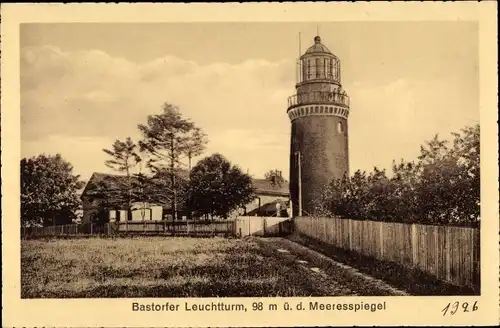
column 91, row 228
column 381, row 230
column 448, row 255
column 414, row 244
column 325, row 234
column 350, row 233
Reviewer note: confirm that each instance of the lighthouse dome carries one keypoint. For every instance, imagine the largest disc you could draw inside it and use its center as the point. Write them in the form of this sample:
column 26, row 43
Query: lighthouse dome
column 317, row 47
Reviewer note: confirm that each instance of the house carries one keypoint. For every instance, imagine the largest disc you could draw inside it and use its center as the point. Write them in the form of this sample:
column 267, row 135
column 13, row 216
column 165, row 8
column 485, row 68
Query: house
column 267, row 194
column 93, row 197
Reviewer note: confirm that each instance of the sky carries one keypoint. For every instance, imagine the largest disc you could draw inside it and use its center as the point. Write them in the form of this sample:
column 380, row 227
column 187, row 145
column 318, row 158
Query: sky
column 84, row 85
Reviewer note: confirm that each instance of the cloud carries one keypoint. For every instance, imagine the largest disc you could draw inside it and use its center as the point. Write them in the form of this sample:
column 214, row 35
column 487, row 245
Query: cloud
column 77, row 103
column 390, row 121
column 67, row 96
column 84, row 153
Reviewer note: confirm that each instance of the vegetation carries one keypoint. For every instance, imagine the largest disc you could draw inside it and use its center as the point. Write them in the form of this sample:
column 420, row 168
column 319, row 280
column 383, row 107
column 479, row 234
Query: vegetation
column 217, row 187
column 49, row 191
column 275, row 177
column 124, row 158
column 168, row 138
column 442, row 187
column 180, row 267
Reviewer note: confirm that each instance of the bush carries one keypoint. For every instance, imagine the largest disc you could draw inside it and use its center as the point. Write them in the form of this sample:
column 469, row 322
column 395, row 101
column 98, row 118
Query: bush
column 441, row 187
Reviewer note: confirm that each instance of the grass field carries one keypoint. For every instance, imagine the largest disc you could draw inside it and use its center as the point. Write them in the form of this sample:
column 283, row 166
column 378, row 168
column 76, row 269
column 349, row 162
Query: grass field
column 173, row 267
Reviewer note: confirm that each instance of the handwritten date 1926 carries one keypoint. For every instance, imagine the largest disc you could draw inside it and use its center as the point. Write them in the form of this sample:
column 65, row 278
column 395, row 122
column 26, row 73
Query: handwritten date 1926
column 453, row 308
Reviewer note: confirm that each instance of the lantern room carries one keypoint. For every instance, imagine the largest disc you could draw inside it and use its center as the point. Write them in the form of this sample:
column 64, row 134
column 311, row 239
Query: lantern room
column 318, row 63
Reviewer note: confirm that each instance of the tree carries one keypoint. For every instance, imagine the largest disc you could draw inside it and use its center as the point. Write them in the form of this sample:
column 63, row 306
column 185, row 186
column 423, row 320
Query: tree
column 466, row 151
column 275, row 177
column 218, row 187
column 406, row 181
column 124, row 159
column 195, row 144
column 442, row 187
column 450, row 178
column 168, row 137
column 49, row 191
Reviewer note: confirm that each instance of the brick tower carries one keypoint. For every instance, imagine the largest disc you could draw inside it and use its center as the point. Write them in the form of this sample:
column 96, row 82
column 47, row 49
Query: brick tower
column 319, row 139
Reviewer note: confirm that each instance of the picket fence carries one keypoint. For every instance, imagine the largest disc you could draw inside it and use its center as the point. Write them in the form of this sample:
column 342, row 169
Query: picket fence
column 449, row 253
column 241, row 226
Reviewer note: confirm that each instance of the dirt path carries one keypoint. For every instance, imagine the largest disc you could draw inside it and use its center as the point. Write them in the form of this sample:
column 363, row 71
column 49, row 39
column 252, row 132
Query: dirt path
column 328, row 276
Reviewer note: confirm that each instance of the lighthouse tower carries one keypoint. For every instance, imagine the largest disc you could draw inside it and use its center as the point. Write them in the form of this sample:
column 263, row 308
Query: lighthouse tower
column 319, row 140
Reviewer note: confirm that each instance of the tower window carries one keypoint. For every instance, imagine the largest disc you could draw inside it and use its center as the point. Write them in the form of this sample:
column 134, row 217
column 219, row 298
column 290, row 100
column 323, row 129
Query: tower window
column 308, row 68
column 318, row 68
column 330, row 71
column 340, row 128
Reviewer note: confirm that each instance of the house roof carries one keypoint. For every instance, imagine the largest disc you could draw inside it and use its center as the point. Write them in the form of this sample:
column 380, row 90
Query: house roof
column 267, row 187
column 270, row 207
column 262, row 186
column 110, row 179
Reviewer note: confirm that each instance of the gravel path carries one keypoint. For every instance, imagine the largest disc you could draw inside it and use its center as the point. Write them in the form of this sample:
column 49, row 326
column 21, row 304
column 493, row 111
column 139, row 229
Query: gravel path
column 326, row 275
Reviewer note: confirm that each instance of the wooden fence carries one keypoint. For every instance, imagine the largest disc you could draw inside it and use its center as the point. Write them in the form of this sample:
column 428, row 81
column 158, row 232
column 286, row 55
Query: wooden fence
column 449, row 253
column 263, row 226
column 242, row 226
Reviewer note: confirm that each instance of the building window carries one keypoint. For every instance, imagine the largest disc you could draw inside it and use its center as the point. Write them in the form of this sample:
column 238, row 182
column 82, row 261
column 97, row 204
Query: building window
column 340, row 127
column 318, row 68
column 303, row 69
column 308, row 69
column 325, row 68
column 330, row 71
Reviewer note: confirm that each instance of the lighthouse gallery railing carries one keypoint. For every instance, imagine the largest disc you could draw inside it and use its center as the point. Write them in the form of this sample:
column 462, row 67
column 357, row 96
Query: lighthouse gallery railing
column 321, row 97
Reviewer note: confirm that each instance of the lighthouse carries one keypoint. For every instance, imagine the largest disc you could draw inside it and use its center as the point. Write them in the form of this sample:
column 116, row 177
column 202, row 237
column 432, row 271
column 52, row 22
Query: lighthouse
column 319, row 133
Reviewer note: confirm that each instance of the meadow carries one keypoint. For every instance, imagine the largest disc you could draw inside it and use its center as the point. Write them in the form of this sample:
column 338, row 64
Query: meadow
column 176, row 267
